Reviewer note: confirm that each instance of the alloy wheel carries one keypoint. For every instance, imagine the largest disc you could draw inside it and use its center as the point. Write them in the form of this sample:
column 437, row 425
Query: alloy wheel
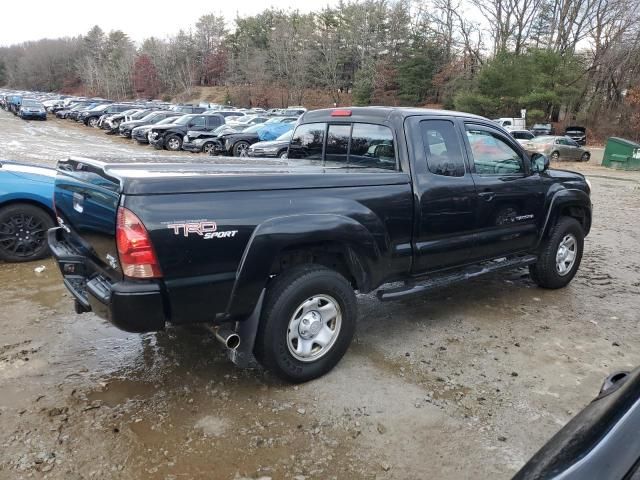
column 22, row 235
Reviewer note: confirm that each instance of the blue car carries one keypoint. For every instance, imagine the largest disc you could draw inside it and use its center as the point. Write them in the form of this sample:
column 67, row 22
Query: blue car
column 32, row 109
column 26, row 211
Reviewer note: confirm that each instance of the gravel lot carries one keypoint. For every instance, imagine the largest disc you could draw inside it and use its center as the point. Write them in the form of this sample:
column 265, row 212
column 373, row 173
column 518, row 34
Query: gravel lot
column 466, row 383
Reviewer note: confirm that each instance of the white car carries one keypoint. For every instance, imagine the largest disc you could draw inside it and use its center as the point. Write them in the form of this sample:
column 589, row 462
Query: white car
column 522, row 136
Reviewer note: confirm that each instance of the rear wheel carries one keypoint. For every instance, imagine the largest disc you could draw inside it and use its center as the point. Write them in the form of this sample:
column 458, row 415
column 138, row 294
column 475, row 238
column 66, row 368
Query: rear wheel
column 560, row 255
column 92, row 122
column 173, row 143
column 241, row 149
column 307, row 323
column 555, row 156
column 23, row 233
column 585, row 157
column 282, row 154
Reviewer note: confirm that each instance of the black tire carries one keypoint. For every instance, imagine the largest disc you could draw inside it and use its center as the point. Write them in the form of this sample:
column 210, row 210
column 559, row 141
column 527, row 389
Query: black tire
column 23, row 233
column 239, row 148
column 173, row 143
column 207, row 147
column 284, row 298
column 585, row 157
column 91, row 122
column 555, row 156
column 545, row 272
column 283, row 154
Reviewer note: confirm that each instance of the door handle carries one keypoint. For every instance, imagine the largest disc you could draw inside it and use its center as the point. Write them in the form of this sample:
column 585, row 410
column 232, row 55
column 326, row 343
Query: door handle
column 487, row 196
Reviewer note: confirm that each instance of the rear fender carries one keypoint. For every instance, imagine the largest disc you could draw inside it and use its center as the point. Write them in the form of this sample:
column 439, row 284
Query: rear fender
column 277, row 234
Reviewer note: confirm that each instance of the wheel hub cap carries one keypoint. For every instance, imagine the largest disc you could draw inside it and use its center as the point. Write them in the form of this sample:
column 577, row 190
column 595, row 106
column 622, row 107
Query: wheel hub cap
column 310, row 325
column 566, row 254
column 314, row 328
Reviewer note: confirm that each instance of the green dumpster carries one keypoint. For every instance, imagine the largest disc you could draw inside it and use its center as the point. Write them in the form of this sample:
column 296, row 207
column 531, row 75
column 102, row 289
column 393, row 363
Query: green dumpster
column 622, row 154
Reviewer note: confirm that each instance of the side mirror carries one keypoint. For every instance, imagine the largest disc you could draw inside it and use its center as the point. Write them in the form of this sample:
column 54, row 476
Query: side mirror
column 539, row 162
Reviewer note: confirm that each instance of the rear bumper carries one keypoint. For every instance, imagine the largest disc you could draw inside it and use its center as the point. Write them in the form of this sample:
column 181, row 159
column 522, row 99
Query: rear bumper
column 130, row 306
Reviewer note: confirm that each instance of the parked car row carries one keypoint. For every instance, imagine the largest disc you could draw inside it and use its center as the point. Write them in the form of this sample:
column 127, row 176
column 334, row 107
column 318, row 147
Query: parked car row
column 203, row 128
column 23, row 106
column 557, row 147
column 517, row 128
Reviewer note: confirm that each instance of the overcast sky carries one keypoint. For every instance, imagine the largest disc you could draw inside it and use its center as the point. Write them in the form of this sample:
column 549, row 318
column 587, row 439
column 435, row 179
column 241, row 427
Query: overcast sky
column 24, row 20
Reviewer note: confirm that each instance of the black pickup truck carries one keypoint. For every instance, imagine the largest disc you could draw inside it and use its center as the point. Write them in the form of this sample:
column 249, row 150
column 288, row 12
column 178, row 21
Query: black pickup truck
column 270, row 252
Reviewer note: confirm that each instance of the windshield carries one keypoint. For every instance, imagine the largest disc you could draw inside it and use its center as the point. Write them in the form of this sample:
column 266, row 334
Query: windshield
column 285, row 137
column 149, row 117
column 139, row 115
column 183, row 120
column 31, row 103
column 245, row 119
column 253, row 128
column 221, row 129
column 167, row 120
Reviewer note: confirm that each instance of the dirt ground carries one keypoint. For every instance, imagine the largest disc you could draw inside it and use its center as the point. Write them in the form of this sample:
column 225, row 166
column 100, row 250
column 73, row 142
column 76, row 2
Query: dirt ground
column 465, row 383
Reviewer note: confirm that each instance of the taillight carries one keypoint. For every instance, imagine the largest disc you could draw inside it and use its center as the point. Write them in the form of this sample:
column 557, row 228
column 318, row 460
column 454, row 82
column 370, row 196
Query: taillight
column 341, row 113
column 137, row 258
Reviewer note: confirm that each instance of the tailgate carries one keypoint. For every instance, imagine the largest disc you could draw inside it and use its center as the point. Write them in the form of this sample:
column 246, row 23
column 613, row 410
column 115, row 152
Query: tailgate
column 86, row 203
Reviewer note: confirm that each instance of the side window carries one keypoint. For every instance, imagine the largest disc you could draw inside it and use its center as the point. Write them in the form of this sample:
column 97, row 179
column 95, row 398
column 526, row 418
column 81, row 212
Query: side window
column 372, row 147
column 214, row 121
column 491, row 154
column 197, row 122
column 337, row 144
column 571, row 142
column 307, row 142
column 442, row 148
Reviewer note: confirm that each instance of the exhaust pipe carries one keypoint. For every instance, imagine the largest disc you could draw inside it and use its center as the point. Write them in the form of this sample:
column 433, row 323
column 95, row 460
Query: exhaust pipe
column 227, row 337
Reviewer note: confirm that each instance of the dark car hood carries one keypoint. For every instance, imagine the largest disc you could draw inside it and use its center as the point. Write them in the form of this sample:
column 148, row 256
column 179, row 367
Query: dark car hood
column 238, row 136
column 567, row 177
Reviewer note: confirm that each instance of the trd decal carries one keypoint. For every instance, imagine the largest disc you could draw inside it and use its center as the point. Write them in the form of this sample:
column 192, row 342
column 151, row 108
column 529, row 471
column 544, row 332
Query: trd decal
column 204, row 228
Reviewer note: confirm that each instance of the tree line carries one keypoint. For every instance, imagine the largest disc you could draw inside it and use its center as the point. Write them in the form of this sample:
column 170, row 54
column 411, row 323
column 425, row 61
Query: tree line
column 572, row 59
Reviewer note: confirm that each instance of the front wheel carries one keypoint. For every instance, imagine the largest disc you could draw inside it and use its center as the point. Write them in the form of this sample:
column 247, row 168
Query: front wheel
column 560, row 255
column 241, row 149
column 555, row 156
column 173, row 143
column 92, row 122
column 207, row 147
column 307, row 323
column 585, row 157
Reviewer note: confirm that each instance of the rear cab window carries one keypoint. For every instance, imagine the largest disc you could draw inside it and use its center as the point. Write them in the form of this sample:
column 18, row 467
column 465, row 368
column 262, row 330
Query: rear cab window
column 345, row 145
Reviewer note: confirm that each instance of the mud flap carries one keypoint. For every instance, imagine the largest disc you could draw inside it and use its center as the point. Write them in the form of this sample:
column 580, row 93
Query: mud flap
column 243, row 356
